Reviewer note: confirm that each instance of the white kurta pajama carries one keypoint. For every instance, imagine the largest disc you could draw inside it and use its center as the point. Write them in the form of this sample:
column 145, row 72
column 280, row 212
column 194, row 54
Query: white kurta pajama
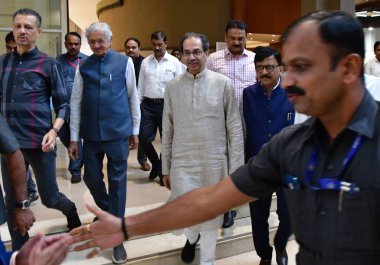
column 202, row 139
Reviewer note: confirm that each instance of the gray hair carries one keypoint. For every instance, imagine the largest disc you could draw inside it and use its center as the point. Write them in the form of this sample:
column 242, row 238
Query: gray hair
column 99, row 26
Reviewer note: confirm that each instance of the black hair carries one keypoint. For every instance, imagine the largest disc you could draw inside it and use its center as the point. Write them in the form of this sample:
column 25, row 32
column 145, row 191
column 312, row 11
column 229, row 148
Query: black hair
column 236, row 24
column 202, row 37
column 262, row 53
column 377, row 43
column 338, row 29
column 134, row 39
column 158, row 35
column 27, row 11
column 73, row 33
column 9, row 37
column 175, row 50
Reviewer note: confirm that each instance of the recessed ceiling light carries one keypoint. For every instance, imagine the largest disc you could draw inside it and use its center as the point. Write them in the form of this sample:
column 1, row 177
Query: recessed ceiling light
column 370, row 28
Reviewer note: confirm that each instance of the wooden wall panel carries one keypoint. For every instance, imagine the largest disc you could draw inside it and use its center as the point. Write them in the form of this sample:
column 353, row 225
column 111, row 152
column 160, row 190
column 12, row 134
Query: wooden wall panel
column 271, row 16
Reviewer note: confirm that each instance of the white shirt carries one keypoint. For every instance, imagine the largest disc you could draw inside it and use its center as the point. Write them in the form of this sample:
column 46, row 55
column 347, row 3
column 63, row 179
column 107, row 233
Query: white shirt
column 154, row 75
column 240, row 69
column 76, row 100
column 372, row 67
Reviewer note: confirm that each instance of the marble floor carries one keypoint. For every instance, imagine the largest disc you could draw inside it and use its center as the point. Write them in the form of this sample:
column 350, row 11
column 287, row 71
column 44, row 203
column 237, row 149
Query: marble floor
column 142, row 194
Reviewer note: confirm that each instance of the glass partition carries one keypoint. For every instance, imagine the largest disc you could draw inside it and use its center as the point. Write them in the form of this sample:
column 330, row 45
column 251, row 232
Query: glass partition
column 51, row 12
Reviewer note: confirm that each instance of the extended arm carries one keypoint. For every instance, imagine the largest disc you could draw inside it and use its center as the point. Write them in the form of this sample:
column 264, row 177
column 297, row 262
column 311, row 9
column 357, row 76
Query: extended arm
column 207, row 202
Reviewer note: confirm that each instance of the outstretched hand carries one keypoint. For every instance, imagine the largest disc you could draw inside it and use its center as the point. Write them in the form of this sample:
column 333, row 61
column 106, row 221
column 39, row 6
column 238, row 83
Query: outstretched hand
column 102, row 234
column 42, row 250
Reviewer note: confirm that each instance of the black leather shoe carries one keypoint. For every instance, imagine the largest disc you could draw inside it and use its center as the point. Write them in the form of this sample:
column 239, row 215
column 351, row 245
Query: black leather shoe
column 282, row 258
column 76, row 179
column 228, row 219
column 161, row 180
column 188, row 251
column 265, row 262
column 153, row 174
column 73, row 220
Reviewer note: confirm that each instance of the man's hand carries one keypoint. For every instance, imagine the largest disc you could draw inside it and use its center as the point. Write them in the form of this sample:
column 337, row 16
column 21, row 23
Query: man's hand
column 133, row 142
column 167, row 182
column 48, row 141
column 42, row 250
column 73, row 150
column 22, row 220
column 104, row 233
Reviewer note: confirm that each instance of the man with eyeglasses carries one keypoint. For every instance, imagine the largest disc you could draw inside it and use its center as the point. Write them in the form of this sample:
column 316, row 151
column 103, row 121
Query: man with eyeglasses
column 202, row 138
column 237, row 63
column 105, row 113
column 156, row 70
column 265, row 111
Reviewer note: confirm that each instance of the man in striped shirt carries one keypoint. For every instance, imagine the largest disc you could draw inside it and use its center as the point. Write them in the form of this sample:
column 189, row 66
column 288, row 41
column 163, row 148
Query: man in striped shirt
column 29, row 78
column 235, row 61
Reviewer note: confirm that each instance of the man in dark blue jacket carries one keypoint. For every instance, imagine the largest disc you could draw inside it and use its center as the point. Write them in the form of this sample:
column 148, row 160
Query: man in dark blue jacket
column 105, row 113
column 266, row 111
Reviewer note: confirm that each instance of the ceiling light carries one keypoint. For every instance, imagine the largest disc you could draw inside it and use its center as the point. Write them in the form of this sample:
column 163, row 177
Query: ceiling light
column 367, row 13
column 370, row 28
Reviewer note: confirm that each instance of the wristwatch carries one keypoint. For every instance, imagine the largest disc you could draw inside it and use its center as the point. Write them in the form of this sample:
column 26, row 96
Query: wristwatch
column 56, row 130
column 25, row 204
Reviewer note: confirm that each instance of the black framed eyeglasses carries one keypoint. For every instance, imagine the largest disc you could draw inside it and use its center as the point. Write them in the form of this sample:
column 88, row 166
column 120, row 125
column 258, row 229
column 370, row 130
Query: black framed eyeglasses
column 269, row 68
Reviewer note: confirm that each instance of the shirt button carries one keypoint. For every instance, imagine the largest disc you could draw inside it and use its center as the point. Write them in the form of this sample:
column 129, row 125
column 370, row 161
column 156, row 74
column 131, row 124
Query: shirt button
column 322, row 211
column 317, row 254
column 269, row 121
column 269, row 135
column 330, row 166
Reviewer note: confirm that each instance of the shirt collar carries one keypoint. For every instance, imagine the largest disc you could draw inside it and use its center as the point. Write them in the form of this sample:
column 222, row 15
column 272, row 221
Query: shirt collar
column 166, row 56
column 26, row 55
column 79, row 55
column 363, row 121
column 227, row 52
column 199, row 75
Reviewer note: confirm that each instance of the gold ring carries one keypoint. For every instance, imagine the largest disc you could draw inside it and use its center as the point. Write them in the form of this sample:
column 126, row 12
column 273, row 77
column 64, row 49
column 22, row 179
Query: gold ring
column 88, row 227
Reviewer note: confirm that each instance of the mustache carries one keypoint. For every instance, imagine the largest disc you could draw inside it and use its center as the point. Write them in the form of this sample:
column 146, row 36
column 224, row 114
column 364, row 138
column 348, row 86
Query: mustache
column 295, row 90
column 264, row 76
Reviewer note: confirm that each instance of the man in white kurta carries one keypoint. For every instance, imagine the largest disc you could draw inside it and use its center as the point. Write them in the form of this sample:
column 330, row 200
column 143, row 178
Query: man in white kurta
column 202, row 139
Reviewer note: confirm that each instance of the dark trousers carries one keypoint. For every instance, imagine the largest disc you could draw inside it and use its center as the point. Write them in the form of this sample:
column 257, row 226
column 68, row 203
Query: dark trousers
column 75, row 166
column 151, row 120
column 117, row 154
column 31, row 185
column 43, row 165
column 260, row 211
column 141, row 156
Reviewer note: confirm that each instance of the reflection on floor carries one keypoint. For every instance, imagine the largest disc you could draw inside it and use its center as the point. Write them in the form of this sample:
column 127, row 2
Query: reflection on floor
column 142, row 194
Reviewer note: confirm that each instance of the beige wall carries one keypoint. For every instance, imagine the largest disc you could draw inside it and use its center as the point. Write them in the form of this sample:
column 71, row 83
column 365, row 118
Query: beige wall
column 139, row 18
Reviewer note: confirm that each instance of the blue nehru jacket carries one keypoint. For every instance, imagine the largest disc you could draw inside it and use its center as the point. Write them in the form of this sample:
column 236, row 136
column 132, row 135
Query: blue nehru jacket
column 105, row 114
column 264, row 117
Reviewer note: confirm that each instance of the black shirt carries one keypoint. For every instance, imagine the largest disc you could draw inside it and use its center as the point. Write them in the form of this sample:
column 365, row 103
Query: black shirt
column 326, row 234
column 137, row 64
